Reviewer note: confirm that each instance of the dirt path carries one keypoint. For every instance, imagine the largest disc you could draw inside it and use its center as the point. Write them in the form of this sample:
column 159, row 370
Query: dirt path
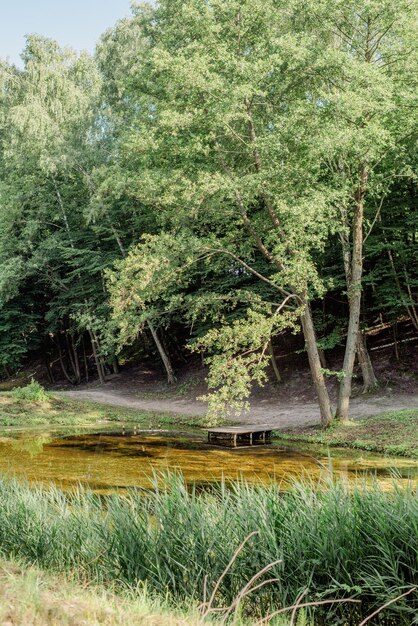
column 276, row 415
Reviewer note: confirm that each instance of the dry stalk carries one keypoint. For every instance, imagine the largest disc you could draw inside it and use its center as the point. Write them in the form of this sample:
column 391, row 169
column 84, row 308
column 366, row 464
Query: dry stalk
column 265, row 620
column 386, row 605
column 247, row 589
column 295, row 608
column 208, row 608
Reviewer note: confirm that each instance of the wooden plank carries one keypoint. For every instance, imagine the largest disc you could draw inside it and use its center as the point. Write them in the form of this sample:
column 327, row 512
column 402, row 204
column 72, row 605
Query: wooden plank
column 241, row 430
column 240, row 436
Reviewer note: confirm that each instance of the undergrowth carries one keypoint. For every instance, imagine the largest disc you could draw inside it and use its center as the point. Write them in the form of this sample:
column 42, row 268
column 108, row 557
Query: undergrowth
column 331, row 543
column 33, row 392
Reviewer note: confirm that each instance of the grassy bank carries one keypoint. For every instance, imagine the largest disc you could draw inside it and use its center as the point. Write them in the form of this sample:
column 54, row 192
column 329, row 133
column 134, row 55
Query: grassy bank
column 31, row 406
column 32, row 597
column 394, row 432
column 47, row 599
column 331, row 544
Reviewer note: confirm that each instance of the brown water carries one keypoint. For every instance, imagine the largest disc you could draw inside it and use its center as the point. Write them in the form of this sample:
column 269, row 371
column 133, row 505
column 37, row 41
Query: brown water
column 116, row 457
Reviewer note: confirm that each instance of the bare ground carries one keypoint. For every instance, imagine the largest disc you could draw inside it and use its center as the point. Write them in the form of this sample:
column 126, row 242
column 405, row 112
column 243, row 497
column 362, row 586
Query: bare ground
column 277, row 414
column 289, row 404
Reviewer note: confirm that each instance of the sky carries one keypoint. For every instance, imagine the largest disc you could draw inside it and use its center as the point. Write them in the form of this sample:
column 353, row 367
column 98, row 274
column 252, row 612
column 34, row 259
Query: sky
column 75, row 23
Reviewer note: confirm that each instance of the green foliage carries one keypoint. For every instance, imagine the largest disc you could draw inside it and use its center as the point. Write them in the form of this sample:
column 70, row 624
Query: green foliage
column 240, row 359
column 200, row 174
column 338, row 374
column 34, row 392
column 352, row 543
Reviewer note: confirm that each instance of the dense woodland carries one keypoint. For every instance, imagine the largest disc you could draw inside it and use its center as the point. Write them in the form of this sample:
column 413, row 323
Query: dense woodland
column 219, row 174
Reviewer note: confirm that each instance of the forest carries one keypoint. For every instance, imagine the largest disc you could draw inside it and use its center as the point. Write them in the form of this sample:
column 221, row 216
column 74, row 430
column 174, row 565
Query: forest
column 218, row 176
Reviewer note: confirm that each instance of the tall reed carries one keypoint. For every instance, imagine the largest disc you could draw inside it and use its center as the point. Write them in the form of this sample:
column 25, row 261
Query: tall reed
column 332, row 542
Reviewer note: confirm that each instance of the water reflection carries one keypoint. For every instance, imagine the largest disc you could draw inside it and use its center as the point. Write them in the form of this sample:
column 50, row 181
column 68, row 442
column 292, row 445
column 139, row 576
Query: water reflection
column 32, row 445
column 122, row 458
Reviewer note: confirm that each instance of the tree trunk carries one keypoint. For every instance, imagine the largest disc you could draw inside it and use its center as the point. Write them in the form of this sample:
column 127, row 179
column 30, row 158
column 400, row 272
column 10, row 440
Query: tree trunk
column 61, row 359
column 395, row 341
column 163, row 354
column 76, row 361
column 49, row 370
column 274, row 363
column 86, row 367
column 96, row 357
column 414, row 318
column 165, row 359
column 354, row 299
column 410, row 310
column 369, row 378
column 315, row 365
column 73, row 357
column 115, row 365
column 367, row 371
column 323, row 358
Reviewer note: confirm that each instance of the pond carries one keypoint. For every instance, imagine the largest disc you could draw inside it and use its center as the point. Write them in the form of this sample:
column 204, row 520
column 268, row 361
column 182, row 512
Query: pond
column 114, row 456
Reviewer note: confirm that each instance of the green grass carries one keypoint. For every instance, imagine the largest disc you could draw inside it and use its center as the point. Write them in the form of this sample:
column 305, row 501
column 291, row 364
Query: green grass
column 45, row 599
column 331, row 542
column 20, row 408
column 394, row 432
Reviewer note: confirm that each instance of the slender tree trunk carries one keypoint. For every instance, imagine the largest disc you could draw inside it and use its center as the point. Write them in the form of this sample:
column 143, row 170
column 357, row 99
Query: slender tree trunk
column 354, row 298
column 410, row 310
column 369, row 377
column 49, row 370
column 367, row 371
column 395, row 340
column 64, row 213
column 86, row 367
column 73, row 357
column 70, row 355
column 76, row 361
column 274, row 363
column 166, row 361
column 115, row 365
column 323, row 358
column 411, row 298
column 61, row 359
column 315, row 365
column 96, row 357
column 306, row 318
column 162, row 352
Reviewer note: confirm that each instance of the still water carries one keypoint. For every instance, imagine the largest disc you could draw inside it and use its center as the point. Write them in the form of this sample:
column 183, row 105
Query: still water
column 119, row 457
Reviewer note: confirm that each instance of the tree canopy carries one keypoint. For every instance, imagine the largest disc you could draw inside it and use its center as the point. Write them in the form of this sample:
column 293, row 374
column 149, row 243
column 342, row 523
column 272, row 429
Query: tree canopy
column 209, row 179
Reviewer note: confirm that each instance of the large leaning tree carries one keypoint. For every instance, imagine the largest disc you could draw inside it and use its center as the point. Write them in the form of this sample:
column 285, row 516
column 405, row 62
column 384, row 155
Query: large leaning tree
column 258, row 127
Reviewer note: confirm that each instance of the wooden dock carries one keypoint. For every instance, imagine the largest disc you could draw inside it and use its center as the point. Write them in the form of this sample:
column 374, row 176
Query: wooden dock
column 239, row 436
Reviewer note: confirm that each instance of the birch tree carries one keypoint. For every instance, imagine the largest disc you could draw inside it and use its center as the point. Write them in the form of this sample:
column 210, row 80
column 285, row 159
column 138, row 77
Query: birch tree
column 373, row 102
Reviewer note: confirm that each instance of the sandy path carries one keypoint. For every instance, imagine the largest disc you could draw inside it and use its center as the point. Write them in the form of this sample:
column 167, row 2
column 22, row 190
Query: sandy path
column 276, row 415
